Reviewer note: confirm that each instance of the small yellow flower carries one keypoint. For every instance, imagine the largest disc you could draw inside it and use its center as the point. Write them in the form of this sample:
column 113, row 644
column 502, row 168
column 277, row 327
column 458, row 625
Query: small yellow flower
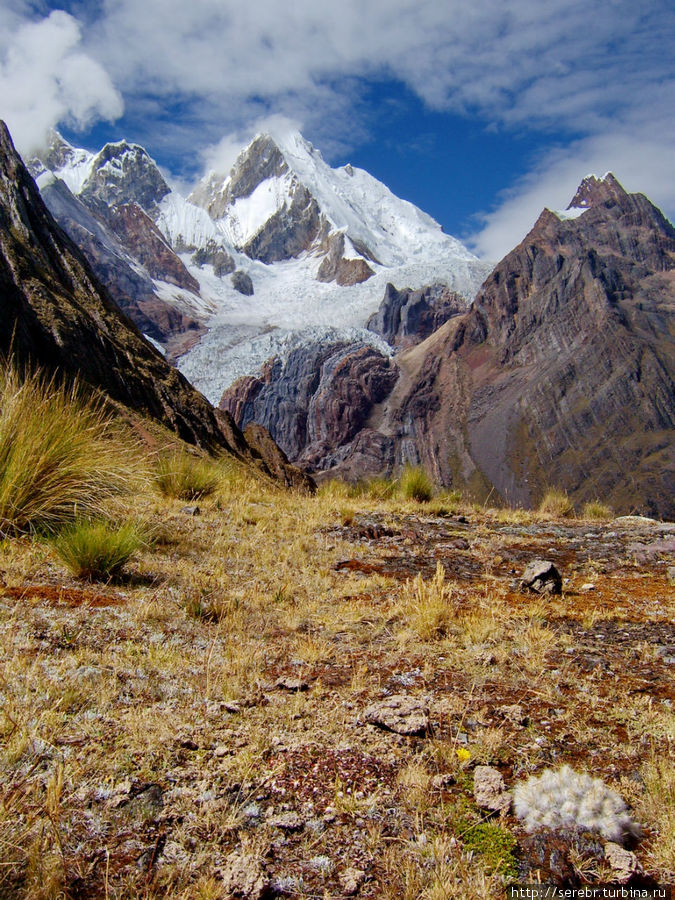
column 463, row 754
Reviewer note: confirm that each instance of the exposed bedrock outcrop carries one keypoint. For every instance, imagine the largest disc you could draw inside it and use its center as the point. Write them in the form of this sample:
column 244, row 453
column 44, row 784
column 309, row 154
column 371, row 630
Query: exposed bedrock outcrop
column 336, row 267
column 407, row 317
column 317, row 400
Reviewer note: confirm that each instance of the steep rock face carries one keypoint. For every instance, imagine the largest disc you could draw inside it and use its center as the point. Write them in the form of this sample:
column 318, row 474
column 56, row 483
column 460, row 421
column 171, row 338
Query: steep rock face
column 290, row 231
column 53, row 312
column 343, row 271
column 408, row 317
column 146, row 243
column 261, row 161
column 269, row 213
column 316, row 402
column 562, row 372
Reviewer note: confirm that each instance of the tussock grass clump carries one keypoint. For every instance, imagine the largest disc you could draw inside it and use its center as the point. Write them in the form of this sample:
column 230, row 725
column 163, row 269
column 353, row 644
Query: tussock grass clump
column 184, row 477
column 61, row 456
column 556, row 503
column 597, row 510
column 380, row 488
column 415, row 484
column 428, row 605
column 97, row 550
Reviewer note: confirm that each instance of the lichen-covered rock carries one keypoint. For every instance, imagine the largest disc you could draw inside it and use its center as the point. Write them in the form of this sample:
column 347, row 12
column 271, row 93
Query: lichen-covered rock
column 489, row 790
column 351, row 880
column 542, row 577
column 399, row 713
column 244, row 878
column 624, row 863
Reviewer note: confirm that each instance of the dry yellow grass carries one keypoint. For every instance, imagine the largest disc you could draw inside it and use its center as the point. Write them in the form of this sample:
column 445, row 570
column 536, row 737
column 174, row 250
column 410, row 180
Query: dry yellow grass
column 173, row 683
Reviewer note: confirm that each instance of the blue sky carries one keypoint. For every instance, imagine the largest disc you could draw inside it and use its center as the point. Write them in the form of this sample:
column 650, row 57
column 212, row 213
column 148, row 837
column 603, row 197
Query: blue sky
column 481, row 113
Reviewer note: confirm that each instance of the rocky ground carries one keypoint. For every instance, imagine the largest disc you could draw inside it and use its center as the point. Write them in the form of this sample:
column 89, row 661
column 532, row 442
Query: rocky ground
column 294, row 696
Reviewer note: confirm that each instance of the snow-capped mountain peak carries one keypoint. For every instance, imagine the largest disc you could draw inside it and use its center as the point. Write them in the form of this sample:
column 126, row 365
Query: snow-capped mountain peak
column 125, row 173
column 282, row 242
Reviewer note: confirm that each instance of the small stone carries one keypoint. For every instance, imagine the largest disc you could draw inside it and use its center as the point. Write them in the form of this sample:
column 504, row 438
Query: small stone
column 441, row 782
column 400, row 714
column 541, row 577
column 244, row 878
column 624, row 863
column 351, row 880
column 289, row 821
column 635, row 520
column 589, row 586
column 489, row 790
column 191, row 511
column 294, row 685
column 221, row 750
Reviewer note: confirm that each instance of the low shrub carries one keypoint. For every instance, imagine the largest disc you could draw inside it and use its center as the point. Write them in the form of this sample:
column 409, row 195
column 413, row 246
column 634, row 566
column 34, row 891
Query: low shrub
column 61, row 456
column 415, row 484
column 184, row 477
column 97, row 550
column 556, row 503
column 495, row 846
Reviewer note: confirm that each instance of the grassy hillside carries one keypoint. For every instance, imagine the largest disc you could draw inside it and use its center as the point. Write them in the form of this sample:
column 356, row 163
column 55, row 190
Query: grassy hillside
column 196, row 726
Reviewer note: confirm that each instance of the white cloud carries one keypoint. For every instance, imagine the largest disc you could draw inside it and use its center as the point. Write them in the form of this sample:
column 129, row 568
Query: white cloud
column 515, row 62
column 576, row 70
column 193, row 72
column 45, row 79
column 220, row 157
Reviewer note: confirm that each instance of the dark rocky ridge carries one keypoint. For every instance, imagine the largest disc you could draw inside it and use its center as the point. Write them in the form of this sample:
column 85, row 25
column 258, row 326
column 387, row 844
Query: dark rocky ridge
column 561, row 373
column 54, row 313
column 407, row 317
column 316, row 402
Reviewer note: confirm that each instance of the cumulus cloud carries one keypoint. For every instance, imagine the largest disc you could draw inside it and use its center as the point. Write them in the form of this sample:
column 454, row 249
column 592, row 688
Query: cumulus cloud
column 45, row 79
column 193, row 72
column 515, row 62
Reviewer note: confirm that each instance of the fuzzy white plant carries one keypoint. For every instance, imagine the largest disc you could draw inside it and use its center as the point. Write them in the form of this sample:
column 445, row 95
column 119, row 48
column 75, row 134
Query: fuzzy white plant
column 563, row 798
